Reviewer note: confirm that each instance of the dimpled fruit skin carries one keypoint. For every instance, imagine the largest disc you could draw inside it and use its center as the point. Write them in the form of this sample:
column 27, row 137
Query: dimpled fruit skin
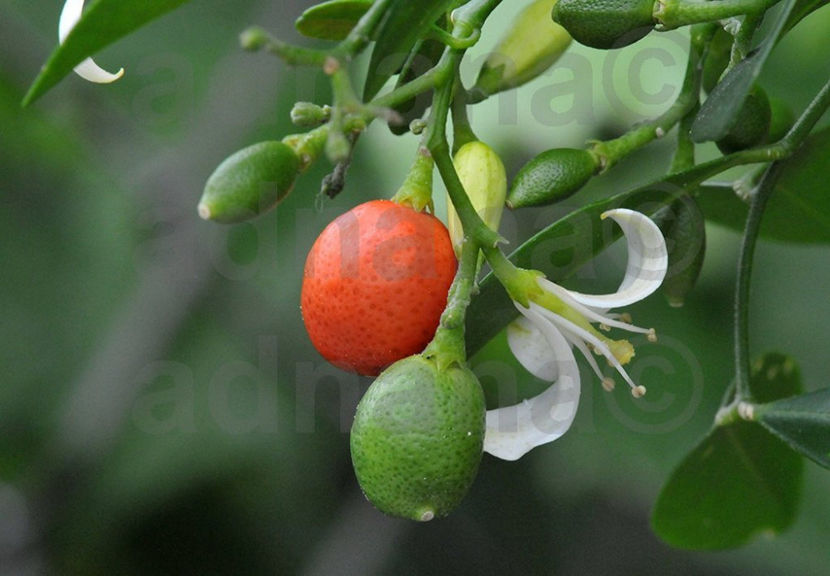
column 417, row 438
column 605, row 23
column 551, row 176
column 375, row 284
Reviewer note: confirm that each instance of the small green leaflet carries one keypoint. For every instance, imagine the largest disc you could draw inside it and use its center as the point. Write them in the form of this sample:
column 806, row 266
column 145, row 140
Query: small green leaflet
column 102, row 23
column 740, row 481
column 803, row 422
column 719, row 111
column 332, row 20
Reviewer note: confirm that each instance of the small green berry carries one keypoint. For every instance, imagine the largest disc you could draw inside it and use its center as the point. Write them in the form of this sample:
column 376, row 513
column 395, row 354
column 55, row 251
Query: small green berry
column 605, row 23
column 551, row 176
column 417, row 438
column 752, row 124
column 249, row 182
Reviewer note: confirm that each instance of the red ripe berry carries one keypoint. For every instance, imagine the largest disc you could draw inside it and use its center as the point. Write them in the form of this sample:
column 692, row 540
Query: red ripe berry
column 375, row 284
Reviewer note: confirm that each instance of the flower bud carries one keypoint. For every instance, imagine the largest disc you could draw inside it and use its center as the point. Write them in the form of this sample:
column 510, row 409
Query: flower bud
column 417, row 438
column 482, row 173
column 249, row 182
column 605, row 23
column 531, row 45
column 306, row 114
column 551, row 176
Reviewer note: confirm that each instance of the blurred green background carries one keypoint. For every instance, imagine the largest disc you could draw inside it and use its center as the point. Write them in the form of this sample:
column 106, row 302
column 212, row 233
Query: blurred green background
column 161, row 408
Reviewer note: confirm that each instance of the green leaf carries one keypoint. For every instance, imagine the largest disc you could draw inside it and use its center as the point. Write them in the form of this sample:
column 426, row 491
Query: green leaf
column 332, row 20
column 558, row 251
column 739, row 481
column 799, row 210
column 719, row 111
column 803, row 422
column 774, row 376
column 403, row 24
column 103, row 22
column 802, row 9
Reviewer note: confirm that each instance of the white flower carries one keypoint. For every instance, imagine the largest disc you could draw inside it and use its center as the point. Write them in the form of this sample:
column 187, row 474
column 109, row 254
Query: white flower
column 543, row 337
column 87, row 69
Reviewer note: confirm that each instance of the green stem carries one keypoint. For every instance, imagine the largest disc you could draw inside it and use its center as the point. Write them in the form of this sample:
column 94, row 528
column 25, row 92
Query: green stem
column 745, row 261
column 448, row 345
column 256, row 38
column 472, row 223
column 361, row 34
column 684, row 154
column 612, row 151
column 676, row 13
column 777, row 151
column 462, row 132
column 427, row 81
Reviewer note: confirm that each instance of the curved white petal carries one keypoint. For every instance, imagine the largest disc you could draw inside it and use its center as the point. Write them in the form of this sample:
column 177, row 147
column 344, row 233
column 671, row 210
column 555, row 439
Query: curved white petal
column 598, row 315
column 512, row 431
column 647, row 262
column 88, row 69
column 531, row 348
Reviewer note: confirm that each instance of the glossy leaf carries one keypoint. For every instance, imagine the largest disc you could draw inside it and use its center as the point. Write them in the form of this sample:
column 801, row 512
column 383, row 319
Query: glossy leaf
column 332, row 20
column 404, row 23
column 103, row 22
column 803, row 422
column 558, row 251
column 798, row 212
column 803, row 8
column 719, row 111
column 739, row 482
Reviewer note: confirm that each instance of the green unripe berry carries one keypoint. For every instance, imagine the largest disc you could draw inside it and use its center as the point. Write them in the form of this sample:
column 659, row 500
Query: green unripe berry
column 551, row 176
column 751, row 125
column 417, row 438
column 605, row 23
column 307, row 114
column 683, row 227
column 249, row 182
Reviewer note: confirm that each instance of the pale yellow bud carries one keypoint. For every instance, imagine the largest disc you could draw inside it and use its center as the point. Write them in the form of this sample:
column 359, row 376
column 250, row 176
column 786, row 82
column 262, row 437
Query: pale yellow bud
column 531, row 45
column 482, row 174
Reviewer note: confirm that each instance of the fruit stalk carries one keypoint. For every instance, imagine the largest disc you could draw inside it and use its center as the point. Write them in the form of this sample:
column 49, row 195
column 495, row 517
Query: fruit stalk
column 672, row 14
column 448, row 345
column 612, row 151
